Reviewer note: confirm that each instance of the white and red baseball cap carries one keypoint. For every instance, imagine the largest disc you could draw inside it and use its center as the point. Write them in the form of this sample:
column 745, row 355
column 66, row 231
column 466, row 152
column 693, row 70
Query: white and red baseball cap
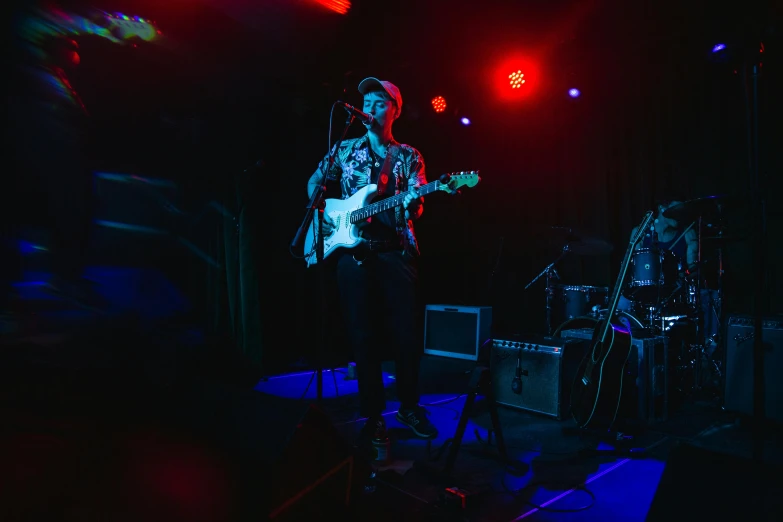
column 370, row 84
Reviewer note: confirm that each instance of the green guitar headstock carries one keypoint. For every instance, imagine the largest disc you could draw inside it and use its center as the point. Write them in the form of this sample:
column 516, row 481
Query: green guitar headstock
column 453, row 181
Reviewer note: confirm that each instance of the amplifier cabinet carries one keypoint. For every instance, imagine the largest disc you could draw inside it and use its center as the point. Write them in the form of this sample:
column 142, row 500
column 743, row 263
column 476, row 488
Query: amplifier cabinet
column 738, row 379
column 456, row 331
column 547, row 367
column 648, row 369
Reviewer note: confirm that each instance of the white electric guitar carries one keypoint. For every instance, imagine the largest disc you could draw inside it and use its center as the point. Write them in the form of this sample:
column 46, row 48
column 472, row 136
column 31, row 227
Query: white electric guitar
column 348, row 213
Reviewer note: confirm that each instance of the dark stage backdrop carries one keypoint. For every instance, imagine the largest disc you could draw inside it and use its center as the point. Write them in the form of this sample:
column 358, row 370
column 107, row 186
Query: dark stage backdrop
column 657, row 120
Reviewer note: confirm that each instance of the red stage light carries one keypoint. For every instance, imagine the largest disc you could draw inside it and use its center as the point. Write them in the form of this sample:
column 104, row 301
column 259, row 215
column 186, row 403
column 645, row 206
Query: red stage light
column 439, row 103
column 338, row 6
column 516, row 79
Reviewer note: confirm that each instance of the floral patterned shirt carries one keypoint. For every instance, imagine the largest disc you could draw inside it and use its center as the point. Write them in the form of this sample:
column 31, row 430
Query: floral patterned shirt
column 353, row 170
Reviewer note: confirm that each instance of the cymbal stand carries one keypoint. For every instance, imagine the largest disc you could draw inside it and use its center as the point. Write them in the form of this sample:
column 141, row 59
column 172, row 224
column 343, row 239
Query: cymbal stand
column 720, row 298
column 700, row 341
column 716, row 306
column 551, row 273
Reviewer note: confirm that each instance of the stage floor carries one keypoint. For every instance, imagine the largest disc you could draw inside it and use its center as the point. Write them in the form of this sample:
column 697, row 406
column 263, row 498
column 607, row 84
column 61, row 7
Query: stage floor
column 127, row 425
column 566, row 478
column 120, row 419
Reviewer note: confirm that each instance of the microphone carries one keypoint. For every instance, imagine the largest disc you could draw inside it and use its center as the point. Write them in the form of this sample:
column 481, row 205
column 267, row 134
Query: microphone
column 516, row 383
column 365, row 118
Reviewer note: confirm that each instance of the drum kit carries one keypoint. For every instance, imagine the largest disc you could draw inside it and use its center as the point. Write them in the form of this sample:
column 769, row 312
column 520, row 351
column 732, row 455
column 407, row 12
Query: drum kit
column 661, row 296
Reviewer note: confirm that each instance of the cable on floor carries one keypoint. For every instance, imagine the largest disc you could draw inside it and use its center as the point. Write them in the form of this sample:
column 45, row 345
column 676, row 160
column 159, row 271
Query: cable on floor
column 545, row 507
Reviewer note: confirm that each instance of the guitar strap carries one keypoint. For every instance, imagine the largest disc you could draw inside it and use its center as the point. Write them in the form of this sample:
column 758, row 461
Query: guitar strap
column 386, row 168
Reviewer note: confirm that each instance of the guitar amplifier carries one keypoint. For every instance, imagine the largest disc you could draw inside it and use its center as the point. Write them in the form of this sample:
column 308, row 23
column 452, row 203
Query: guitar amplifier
column 647, row 367
column 456, row 331
column 547, row 368
column 738, row 380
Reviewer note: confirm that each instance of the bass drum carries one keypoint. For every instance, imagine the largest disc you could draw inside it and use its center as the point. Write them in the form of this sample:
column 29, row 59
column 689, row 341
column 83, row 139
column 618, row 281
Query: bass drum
column 591, row 321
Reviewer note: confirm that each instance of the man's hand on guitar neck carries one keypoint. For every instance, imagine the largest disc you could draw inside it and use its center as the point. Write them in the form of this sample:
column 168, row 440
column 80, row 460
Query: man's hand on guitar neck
column 413, row 204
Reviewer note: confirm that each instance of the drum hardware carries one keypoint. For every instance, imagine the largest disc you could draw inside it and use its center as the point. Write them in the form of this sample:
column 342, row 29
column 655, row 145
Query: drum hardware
column 579, row 245
column 708, row 215
column 654, row 273
column 668, row 322
column 569, row 301
column 551, row 273
column 666, row 298
column 572, row 242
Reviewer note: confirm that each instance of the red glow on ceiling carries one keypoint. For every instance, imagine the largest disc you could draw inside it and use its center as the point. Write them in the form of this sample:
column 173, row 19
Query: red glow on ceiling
column 338, row 6
column 439, row 104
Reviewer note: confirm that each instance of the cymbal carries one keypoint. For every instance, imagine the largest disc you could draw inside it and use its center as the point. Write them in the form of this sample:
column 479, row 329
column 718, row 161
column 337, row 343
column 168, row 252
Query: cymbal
column 721, row 240
column 709, row 208
column 588, row 247
column 574, row 241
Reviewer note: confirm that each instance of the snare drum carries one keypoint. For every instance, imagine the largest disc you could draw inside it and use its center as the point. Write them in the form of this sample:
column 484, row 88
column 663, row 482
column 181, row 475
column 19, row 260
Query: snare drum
column 654, row 275
column 569, row 302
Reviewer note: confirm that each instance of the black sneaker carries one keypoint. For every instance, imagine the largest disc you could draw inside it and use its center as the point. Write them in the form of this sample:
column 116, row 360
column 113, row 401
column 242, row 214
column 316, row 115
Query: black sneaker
column 416, row 419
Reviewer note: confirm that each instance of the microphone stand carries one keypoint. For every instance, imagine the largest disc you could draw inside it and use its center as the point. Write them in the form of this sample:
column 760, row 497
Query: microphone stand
column 760, row 302
column 550, row 272
column 318, row 203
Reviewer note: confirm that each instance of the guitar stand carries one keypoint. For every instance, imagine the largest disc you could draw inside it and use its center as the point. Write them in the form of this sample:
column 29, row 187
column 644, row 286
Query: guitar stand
column 480, row 383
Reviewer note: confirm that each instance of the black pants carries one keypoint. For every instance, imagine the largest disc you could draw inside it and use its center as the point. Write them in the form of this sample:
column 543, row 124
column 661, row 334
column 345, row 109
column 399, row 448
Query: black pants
column 380, row 301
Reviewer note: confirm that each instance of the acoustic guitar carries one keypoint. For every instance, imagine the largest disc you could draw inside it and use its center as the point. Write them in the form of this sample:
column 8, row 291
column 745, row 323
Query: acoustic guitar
column 598, row 385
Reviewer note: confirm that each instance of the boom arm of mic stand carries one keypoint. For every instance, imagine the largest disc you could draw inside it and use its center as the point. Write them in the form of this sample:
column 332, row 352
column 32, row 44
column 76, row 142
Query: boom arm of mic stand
column 549, row 267
column 317, row 198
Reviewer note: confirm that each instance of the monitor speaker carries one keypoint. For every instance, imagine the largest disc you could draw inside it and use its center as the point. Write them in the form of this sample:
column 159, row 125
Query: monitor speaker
column 738, row 380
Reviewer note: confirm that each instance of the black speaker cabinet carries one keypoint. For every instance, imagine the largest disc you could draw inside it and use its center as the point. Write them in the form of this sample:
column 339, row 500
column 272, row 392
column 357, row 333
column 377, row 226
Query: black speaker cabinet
column 648, row 369
column 547, row 368
column 738, row 380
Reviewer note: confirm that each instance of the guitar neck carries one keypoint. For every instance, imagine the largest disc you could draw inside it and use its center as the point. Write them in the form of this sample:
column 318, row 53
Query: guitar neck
column 618, row 285
column 364, row 213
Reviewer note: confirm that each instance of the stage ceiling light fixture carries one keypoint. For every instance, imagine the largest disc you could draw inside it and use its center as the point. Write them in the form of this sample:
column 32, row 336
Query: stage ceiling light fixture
column 574, row 93
column 516, row 79
column 439, row 104
column 338, row 6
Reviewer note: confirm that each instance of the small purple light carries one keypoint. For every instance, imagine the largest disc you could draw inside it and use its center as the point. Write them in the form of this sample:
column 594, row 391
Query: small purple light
column 718, row 47
column 465, row 121
column 573, row 93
